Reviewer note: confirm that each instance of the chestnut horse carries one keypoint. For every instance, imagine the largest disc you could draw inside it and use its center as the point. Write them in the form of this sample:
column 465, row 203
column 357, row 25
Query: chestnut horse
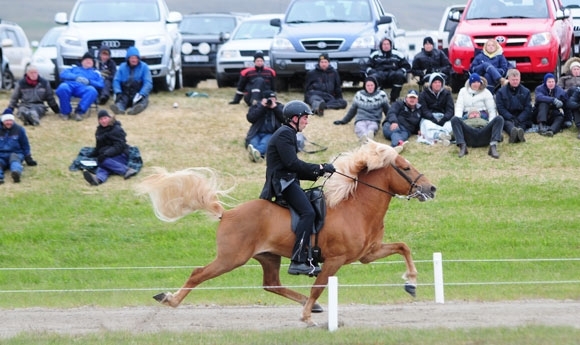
column 357, row 197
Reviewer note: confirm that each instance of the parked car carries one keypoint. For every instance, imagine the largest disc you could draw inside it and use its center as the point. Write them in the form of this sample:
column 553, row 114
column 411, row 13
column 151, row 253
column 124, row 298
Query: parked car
column 44, row 57
column 345, row 29
column 147, row 25
column 574, row 6
column 536, row 36
column 16, row 50
column 253, row 34
column 203, row 34
column 447, row 26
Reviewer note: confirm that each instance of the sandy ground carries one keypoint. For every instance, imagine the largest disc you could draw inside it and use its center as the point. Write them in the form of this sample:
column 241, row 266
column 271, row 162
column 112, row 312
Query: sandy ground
column 450, row 315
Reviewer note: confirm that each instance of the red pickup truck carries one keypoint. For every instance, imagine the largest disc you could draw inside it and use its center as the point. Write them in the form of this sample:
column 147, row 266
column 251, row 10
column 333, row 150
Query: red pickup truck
column 537, row 36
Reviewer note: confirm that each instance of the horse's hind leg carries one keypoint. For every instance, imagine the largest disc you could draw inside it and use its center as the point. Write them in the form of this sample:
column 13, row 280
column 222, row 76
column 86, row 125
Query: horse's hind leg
column 401, row 248
column 198, row 276
column 271, row 280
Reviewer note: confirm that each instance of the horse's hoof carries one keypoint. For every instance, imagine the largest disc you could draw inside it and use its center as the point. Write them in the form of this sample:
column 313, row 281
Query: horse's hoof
column 411, row 289
column 161, row 297
column 316, row 308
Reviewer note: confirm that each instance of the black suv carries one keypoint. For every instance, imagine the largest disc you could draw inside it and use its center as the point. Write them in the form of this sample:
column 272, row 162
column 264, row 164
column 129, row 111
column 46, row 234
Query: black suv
column 345, row 29
column 203, row 34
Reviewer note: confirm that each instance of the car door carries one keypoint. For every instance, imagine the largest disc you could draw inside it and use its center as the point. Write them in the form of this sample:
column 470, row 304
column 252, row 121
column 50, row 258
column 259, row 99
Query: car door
column 14, row 50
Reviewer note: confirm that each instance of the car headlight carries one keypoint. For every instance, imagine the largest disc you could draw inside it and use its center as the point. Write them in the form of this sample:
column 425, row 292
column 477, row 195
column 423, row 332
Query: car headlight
column 204, row 48
column 540, row 39
column 282, row 43
column 461, row 40
column 230, row 54
column 364, row 42
column 186, row 48
column 71, row 41
column 152, row 41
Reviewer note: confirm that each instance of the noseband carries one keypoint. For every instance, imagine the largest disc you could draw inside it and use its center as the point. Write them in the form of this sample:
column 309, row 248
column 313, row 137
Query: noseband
column 412, row 184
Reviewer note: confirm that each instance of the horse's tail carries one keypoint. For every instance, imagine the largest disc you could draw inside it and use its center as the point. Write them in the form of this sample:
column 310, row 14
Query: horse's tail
column 175, row 195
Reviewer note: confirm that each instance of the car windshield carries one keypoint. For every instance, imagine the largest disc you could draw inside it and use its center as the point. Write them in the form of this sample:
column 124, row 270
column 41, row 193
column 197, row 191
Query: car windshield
column 255, row 29
column 308, row 11
column 202, row 25
column 496, row 9
column 117, row 11
column 49, row 39
column 571, row 3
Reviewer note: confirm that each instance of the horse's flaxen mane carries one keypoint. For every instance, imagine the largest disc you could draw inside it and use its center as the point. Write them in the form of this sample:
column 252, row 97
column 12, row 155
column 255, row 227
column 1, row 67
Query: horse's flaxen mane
column 369, row 156
column 179, row 193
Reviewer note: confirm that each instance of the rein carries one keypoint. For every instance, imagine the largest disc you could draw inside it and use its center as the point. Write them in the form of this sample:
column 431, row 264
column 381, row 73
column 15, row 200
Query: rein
column 400, row 172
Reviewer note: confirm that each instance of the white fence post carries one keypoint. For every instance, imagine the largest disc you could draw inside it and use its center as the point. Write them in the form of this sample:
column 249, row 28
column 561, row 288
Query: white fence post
column 332, row 303
column 438, row 273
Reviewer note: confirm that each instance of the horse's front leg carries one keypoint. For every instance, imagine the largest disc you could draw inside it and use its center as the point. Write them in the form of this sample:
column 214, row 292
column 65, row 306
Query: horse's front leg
column 329, row 268
column 386, row 249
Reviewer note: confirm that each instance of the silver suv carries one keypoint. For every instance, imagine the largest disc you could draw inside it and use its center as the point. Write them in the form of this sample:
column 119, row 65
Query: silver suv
column 119, row 24
column 16, row 53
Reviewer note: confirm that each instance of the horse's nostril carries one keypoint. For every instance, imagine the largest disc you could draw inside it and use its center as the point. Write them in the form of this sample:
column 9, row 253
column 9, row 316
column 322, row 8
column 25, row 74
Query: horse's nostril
column 433, row 189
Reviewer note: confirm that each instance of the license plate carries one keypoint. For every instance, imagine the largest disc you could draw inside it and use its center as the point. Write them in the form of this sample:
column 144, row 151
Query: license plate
column 118, row 53
column 312, row 65
column 196, row 58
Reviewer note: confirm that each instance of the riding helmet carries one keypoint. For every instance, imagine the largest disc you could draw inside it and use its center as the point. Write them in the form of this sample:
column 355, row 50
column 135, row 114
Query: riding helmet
column 295, row 108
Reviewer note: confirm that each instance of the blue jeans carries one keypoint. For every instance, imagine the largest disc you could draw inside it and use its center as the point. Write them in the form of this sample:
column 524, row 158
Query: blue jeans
column 398, row 134
column 260, row 142
column 112, row 165
column 12, row 161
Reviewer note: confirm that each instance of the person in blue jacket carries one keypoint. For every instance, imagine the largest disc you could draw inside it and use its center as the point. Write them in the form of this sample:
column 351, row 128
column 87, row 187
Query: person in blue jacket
column 83, row 82
column 14, row 148
column 491, row 64
column 132, row 85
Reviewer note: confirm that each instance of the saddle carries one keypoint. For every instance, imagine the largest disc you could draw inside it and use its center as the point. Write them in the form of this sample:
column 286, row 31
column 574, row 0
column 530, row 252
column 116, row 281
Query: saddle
column 316, row 197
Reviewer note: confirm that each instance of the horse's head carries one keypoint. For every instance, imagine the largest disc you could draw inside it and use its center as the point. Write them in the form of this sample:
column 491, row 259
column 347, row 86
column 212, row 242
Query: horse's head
column 378, row 166
column 407, row 182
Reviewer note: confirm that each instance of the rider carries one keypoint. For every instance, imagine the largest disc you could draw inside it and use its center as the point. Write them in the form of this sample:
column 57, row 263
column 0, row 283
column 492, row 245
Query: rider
column 283, row 171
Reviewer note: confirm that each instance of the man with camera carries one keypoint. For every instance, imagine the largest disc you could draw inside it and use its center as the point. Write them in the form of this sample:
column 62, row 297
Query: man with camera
column 266, row 117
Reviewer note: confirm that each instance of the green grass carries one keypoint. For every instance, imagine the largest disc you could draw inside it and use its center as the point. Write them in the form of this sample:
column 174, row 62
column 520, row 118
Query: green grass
column 522, row 206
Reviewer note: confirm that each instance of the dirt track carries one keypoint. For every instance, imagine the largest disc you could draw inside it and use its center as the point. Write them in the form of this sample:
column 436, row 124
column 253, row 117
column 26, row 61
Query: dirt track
column 197, row 318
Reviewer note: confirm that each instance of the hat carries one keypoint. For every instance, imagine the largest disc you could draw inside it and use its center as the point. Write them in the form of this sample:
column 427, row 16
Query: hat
column 428, row 40
column 268, row 94
column 548, row 76
column 575, row 64
column 412, row 93
column 7, row 117
column 87, row 55
column 259, row 54
column 323, row 56
column 103, row 113
column 474, row 77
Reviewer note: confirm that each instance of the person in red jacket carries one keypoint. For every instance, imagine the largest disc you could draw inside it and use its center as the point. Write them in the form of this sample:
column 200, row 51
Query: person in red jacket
column 254, row 81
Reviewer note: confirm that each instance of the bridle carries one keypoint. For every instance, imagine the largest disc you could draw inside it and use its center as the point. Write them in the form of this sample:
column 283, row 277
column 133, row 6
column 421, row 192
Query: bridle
column 412, row 184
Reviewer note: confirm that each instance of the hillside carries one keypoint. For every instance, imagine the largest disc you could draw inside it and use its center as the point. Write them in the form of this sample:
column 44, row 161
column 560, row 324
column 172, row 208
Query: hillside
column 37, row 16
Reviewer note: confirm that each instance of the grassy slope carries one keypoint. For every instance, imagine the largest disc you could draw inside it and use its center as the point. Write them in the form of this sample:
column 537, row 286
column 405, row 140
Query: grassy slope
column 523, row 205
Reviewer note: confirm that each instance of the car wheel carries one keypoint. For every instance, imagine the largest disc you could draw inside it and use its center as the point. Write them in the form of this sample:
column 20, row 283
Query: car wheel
column 190, row 82
column 167, row 83
column 457, row 81
column 281, row 84
column 7, row 80
column 558, row 68
column 178, row 80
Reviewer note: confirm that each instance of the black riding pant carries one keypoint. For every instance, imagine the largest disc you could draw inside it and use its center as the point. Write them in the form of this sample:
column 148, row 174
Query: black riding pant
column 297, row 199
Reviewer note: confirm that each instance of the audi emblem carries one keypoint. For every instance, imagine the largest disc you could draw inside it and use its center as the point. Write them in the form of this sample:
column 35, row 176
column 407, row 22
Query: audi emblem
column 111, row 44
column 500, row 39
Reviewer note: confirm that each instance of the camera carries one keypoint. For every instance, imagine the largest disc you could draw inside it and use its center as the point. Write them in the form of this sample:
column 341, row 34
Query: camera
column 268, row 102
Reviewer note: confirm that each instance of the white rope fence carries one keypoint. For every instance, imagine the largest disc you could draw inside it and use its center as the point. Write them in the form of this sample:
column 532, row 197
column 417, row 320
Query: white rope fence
column 332, row 286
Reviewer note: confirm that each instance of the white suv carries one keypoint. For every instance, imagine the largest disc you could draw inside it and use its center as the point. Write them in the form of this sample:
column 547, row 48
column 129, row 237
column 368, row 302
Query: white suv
column 119, row 24
column 16, row 51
